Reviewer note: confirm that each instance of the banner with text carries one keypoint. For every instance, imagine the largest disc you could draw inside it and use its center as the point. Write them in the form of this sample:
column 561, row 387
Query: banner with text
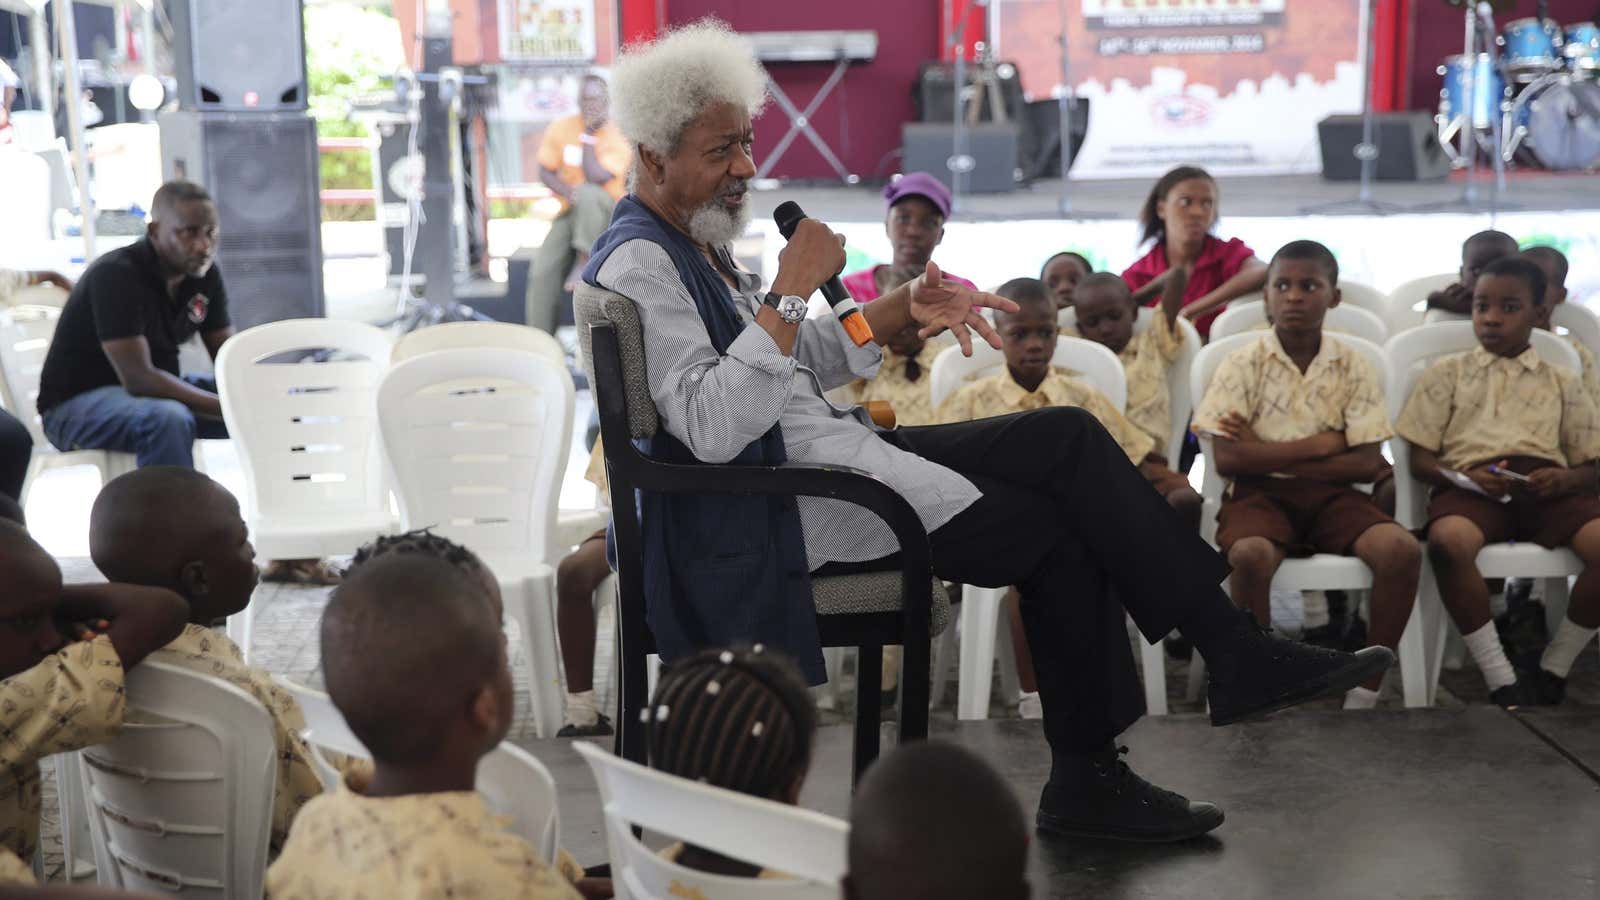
column 1237, row 86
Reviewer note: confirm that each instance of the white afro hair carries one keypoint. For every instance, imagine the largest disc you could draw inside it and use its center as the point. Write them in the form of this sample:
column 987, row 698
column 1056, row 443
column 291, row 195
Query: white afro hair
column 659, row 88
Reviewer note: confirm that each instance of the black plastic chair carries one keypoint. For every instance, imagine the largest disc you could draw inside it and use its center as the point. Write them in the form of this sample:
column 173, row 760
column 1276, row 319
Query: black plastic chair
column 866, row 611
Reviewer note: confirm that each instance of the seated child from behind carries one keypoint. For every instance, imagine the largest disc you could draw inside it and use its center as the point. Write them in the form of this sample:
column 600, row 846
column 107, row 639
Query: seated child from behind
column 1518, row 426
column 1476, row 252
column 1297, row 418
column 907, row 840
column 416, row 662
column 1553, row 263
column 64, row 651
column 1062, row 273
column 754, row 707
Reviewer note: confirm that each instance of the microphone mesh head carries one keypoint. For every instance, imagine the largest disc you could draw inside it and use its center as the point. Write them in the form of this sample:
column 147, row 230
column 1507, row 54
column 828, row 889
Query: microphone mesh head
column 788, row 216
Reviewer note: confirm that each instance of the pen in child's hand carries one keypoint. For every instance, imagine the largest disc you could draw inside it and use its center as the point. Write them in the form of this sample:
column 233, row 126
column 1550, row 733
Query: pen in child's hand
column 1507, row 473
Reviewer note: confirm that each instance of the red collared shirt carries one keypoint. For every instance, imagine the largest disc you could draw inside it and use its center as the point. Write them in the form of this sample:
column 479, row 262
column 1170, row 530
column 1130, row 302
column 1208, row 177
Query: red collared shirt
column 1218, row 261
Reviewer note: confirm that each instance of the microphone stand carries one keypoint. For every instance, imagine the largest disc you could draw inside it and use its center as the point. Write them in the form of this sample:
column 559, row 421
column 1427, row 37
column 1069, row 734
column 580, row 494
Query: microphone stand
column 960, row 161
column 1469, row 130
column 1367, row 151
column 1065, row 101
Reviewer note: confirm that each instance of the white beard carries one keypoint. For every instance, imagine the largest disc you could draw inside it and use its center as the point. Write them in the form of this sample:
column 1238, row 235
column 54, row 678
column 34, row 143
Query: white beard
column 714, row 224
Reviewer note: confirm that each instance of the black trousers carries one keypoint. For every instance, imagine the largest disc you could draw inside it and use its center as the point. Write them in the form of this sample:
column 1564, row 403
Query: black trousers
column 16, row 447
column 1073, row 525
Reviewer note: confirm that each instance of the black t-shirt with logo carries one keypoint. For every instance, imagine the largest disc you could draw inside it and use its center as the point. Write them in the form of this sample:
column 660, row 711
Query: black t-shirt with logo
column 123, row 295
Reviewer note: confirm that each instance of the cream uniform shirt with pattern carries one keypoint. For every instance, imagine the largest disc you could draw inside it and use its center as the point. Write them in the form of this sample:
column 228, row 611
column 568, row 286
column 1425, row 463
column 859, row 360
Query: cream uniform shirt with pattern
column 14, row 871
column 1339, row 391
column 345, row 846
column 1147, row 361
column 1590, row 376
column 72, row 699
column 1000, row 395
column 1476, row 407
column 912, row 400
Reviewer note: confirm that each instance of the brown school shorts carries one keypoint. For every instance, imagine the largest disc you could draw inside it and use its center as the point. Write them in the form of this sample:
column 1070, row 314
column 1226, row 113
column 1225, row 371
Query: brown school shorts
column 1298, row 514
column 1548, row 523
column 1163, row 479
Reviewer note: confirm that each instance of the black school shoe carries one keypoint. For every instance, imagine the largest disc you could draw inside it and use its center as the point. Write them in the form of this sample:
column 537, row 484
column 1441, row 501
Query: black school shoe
column 1098, row 796
column 1257, row 672
column 1549, row 689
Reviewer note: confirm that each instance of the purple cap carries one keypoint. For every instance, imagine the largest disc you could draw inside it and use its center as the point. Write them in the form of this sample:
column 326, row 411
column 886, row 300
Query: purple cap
column 919, row 184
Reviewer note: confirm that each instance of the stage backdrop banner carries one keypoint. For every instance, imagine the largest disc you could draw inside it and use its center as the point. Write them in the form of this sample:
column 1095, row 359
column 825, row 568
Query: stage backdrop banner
column 1237, row 86
column 553, row 31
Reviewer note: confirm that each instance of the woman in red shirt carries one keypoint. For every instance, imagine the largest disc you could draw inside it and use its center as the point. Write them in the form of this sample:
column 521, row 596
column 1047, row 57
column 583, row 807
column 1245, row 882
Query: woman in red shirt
column 1178, row 216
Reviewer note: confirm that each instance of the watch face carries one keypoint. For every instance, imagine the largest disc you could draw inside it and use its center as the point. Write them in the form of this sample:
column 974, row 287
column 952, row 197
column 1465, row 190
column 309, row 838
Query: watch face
column 791, row 309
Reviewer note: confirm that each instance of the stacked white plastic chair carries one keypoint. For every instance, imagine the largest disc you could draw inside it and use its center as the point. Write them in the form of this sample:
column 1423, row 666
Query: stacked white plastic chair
column 1409, row 355
column 811, row 847
column 477, row 440
column 307, row 436
column 182, row 804
column 1243, row 318
column 981, row 631
column 1406, row 301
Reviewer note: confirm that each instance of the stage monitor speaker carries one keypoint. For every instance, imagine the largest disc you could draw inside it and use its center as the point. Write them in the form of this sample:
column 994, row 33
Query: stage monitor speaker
column 1408, row 147
column 927, row 147
column 261, row 170
column 1040, row 148
column 239, row 54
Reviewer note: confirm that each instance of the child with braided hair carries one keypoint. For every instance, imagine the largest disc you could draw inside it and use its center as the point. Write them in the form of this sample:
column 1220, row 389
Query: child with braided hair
column 739, row 719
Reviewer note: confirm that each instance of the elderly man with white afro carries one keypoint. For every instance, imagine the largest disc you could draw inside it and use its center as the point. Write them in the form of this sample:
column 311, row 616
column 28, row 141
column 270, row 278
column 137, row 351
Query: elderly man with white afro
column 661, row 90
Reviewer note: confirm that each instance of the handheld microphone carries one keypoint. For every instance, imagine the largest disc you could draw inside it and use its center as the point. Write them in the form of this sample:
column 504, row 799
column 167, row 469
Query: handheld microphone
column 788, row 216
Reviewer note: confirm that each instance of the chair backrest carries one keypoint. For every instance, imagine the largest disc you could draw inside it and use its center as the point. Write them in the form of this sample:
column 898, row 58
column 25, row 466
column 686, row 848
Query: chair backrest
column 1205, row 367
column 591, row 306
column 1094, row 363
column 25, row 334
column 306, row 431
column 808, row 845
column 478, row 335
column 477, row 440
column 1579, row 322
column 1364, row 296
column 1352, row 320
column 1408, row 299
column 1181, row 404
column 1410, row 354
column 513, row 782
column 182, row 803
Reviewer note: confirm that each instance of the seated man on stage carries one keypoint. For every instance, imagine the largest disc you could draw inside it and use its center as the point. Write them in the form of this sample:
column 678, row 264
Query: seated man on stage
column 1043, row 500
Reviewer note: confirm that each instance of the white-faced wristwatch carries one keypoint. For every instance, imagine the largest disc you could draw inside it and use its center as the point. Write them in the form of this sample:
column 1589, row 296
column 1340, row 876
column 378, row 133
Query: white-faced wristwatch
column 790, row 309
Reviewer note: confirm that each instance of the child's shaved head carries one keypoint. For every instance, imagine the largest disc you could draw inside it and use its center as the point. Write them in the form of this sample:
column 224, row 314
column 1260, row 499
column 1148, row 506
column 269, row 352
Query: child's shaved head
column 1028, row 293
column 912, row 828
column 409, row 646
column 1554, row 265
column 30, row 586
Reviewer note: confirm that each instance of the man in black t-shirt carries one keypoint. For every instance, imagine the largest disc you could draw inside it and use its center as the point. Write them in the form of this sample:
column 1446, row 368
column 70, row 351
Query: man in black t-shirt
column 111, row 379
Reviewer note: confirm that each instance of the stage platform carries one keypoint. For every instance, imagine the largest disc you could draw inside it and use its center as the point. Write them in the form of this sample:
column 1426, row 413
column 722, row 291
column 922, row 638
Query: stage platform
column 1466, row 803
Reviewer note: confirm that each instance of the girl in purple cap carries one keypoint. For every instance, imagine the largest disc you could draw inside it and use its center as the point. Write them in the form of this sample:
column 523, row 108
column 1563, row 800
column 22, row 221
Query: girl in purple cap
column 919, row 204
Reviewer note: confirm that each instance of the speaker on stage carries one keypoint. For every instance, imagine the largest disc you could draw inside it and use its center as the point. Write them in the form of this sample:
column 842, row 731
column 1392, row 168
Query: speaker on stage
column 927, row 147
column 239, row 54
column 261, row 170
column 1040, row 147
column 933, row 95
column 1408, row 147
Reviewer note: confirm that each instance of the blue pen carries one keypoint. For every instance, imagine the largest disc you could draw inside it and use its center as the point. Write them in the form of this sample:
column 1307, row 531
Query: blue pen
column 1507, row 473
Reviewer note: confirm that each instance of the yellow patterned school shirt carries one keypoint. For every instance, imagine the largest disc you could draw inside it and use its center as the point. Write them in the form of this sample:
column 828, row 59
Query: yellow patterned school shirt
column 1339, row 391
column 1146, row 361
column 913, row 404
column 13, row 870
column 1590, row 377
column 209, row 652
column 345, row 846
column 72, row 699
column 1000, row 395
column 1475, row 407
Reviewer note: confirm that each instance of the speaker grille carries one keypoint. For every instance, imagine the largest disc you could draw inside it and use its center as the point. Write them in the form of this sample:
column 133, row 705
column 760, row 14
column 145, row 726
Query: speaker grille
column 239, row 54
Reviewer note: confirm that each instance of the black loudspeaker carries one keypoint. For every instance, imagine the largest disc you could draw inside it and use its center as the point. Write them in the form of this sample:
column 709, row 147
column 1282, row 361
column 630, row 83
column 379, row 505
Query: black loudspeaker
column 261, row 170
column 1040, row 148
column 239, row 54
column 1408, row 147
column 993, row 146
column 934, row 93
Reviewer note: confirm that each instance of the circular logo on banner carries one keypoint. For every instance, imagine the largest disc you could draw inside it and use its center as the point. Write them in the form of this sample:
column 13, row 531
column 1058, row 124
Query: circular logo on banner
column 1180, row 111
column 198, row 304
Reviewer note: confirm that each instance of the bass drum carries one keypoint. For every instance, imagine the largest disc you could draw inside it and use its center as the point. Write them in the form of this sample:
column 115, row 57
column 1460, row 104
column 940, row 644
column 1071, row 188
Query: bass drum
column 1562, row 118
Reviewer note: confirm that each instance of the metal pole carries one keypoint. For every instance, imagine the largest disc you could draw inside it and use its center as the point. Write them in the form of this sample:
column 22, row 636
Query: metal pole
column 1368, row 151
column 72, row 95
column 958, row 162
column 1469, row 128
column 39, row 38
column 1065, row 118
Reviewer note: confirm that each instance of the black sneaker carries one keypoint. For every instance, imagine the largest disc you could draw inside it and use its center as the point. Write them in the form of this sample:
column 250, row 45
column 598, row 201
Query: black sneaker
column 1100, row 797
column 1513, row 695
column 1549, row 689
column 600, row 728
column 1258, row 672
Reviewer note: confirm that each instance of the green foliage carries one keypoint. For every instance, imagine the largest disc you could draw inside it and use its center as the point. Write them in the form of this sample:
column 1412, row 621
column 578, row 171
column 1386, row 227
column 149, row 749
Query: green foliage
column 350, row 51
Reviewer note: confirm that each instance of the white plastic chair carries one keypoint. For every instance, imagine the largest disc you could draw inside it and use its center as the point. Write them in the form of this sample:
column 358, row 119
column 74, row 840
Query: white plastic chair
column 811, row 847
column 1364, row 296
column 981, row 633
column 477, row 440
column 1243, row 318
column 183, row 804
column 477, row 335
column 1320, row 571
column 307, row 435
column 1409, row 355
column 1182, row 405
column 1408, row 301
column 1579, row 323
column 25, row 335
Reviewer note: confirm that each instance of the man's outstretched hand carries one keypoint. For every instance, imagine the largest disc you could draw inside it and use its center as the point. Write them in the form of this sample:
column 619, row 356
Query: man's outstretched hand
column 937, row 305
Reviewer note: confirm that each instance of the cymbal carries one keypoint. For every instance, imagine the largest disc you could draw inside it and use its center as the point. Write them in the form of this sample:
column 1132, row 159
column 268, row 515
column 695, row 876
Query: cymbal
column 1498, row 6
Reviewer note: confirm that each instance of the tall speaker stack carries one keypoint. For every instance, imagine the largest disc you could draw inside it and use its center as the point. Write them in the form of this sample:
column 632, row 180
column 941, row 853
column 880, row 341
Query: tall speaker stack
column 242, row 131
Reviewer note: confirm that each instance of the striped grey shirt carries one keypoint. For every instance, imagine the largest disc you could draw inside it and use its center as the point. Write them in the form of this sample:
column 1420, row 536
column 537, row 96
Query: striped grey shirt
column 716, row 405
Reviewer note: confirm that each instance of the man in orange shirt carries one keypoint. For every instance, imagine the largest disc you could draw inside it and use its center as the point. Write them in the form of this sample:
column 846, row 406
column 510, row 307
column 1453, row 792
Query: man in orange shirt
column 583, row 160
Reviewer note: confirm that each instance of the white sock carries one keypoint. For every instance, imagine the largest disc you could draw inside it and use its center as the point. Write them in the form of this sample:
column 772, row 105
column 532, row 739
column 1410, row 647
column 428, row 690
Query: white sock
column 581, row 709
column 1569, row 641
column 1484, row 645
column 1360, row 698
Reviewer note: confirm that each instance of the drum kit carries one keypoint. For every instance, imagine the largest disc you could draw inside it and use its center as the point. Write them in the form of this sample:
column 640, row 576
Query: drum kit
column 1530, row 95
